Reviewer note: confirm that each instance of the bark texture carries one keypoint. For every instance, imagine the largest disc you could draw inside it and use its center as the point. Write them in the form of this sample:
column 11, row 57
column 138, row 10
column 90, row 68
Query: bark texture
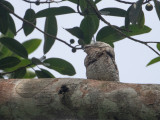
column 77, row 99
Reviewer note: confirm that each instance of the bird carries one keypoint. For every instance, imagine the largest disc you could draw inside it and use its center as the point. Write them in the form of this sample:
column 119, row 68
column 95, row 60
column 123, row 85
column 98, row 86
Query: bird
column 100, row 62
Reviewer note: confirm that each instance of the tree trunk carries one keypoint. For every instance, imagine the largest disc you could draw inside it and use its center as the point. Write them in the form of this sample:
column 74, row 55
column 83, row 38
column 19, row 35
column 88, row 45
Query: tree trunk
column 77, row 99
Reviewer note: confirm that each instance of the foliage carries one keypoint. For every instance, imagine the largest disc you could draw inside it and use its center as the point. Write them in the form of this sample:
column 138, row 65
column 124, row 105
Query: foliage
column 14, row 56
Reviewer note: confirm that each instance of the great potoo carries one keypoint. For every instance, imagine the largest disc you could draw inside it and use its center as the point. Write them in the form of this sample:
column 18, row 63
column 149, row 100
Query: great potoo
column 100, row 62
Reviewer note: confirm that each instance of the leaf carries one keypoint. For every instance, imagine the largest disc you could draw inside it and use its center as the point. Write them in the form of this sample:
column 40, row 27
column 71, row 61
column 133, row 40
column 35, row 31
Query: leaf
column 31, row 45
column 155, row 60
column 158, row 46
column 29, row 74
column 89, row 26
column 76, row 31
column 36, row 61
column 4, row 20
column 4, row 51
column 44, row 74
column 12, row 26
column 23, row 63
column 141, row 20
column 19, row 73
column 157, row 6
column 9, row 62
column 30, row 17
column 60, row 66
column 113, row 12
column 127, row 19
column 14, row 46
column 50, row 28
column 8, row 4
column 134, row 11
column 55, row 11
column 109, row 35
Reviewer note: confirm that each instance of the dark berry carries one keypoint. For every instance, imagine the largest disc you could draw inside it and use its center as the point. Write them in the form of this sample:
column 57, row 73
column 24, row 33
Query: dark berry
column 73, row 50
column 149, row 7
column 37, row 2
column 72, row 41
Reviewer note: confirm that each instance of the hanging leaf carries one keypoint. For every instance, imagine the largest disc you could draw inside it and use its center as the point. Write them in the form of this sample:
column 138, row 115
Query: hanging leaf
column 135, row 11
column 7, row 4
column 36, row 61
column 76, row 31
column 44, row 74
column 113, row 12
column 89, row 26
column 157, row 6
column 60, row 66
column 4, row 20
column 127, row 19
column 12, row 26
column 155, row 60
column 31, row 45
column 9, row 62
column 55, row 11
column 50, row 28
column 158, row 46
column 19, row 73
column 109, row 35
column 30, row 17
column 14, row 46
column 141, row 20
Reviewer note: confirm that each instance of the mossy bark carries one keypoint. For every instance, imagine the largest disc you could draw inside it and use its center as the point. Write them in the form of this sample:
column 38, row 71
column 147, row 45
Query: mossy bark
column 77, row 99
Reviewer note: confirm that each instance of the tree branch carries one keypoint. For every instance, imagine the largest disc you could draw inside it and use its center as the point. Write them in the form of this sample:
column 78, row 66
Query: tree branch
column 116, row 29
column 28, row 1
column 126, row 2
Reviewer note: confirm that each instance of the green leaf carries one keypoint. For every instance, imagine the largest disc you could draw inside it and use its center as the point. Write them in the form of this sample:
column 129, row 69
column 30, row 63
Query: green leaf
column 6, row 3
column 19, row 73
column 4, row 51
column 30, row 17
column 155, row 60
column 12, row 26
column 9, row 62
column 158, row 46
column 50, row 28
column 36, row 61
column 55, row 11
column 76, row 31
column 44, row 74
column 60, row 66
column 127, row 19
column 109, row 35
column 141, row 20
column 157, row 6
column 23, row 63
column 89, row 26
column 135, row 11
column 29, row 74
column 31, row 45
column 4, row 20
column 14, row 46
column 113, row 12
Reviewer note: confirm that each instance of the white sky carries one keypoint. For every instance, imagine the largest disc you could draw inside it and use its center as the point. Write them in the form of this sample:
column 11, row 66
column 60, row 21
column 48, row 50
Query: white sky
column 131, row 57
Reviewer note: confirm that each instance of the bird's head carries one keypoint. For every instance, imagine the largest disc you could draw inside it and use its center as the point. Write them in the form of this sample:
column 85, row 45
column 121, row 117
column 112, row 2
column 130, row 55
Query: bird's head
column 96, row 47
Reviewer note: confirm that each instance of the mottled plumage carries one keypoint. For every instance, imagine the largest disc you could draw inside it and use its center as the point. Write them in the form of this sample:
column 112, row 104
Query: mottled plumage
column 100, row 62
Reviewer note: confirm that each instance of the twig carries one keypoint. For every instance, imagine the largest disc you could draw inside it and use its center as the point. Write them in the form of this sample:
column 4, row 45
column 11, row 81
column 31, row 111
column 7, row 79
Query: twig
column 28, row 1
column 101, row 18
column 125, row 2
column 37, row 27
